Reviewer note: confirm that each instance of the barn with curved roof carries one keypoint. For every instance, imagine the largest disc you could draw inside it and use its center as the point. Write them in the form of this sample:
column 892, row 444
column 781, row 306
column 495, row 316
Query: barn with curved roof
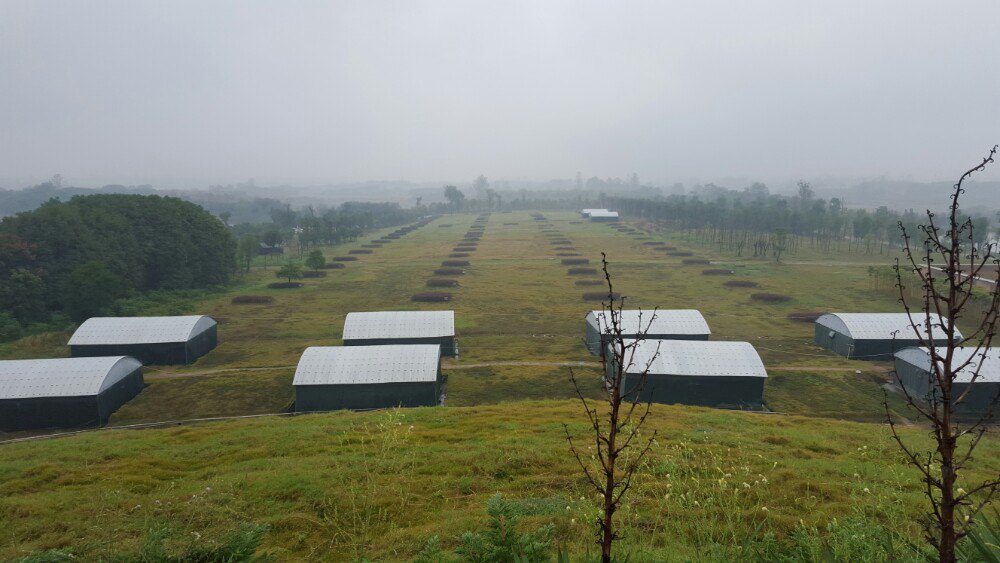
column 65, row 392
column 153, row 340
column 368, row 377
column 402, row 327
column 661, row 324
column 874, row 336
column 914, row 368
column 690, row 372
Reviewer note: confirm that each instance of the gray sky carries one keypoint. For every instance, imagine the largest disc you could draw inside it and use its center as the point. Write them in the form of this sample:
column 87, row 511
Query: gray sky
column 176, row 92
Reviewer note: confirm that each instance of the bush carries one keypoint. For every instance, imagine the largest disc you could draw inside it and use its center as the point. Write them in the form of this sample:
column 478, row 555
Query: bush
column 575, row 261
column 582, row 271
column 458, row 255
column 740, row 283
column 316, row 260
column 717, row 272
column 601, row 296
column 431, row 297
column 345, row 258
column 770, row 297
column 501, row 542
column 449, row 272
column 455, row 263
column 441, row 282
column 589, row 282
column 805, row 316
column 284, row 285
column 695, row 261
column 314, row 274
column 333, row 266
column 359, row 251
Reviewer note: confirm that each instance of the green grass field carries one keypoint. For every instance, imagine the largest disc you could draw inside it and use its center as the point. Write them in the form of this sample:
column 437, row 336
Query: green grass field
column 341, row 486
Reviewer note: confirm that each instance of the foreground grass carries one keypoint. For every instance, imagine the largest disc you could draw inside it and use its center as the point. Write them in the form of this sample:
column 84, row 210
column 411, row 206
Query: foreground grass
column 348, row 485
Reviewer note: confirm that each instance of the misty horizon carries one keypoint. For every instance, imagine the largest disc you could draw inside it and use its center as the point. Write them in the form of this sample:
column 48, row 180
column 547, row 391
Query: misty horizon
column 184, row 95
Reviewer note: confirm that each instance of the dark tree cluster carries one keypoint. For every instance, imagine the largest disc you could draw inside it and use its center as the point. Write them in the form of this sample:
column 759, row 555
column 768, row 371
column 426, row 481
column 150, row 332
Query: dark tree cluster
column 76, row 258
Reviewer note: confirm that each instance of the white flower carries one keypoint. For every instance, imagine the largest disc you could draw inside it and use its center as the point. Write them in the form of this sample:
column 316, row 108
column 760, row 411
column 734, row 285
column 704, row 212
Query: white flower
column 867, row 491
column 763, row 509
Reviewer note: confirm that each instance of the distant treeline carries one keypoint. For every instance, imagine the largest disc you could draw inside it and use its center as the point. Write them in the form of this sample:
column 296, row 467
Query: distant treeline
column 73, row 259
column 756, row 221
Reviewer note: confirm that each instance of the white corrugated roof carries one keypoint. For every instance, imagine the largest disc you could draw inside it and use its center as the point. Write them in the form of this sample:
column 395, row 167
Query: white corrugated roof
column 344, row 365
column 139, row 330
column 589, row 211
column 399, row 324
column 880, row 326
column 603, row 213
column 696, row 357
column 664, row 321
column 62, row 377
column 989, row 373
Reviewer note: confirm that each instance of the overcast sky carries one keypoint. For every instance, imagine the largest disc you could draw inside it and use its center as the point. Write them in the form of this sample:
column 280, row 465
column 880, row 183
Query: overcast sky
column 170, row 92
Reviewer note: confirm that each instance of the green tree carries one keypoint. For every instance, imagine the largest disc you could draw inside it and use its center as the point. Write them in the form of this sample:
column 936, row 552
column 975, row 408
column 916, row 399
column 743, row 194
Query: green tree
column 316, row 260
column 91, row 288
column 454, row 196
column 247, row 251
column 290, row 270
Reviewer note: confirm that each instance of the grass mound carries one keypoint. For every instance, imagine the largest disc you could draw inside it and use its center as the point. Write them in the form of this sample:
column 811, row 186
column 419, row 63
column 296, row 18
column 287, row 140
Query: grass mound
column 717, row 272
column 770, row 297
column 454, row 263
column 600, row 296
column 741, row 283
column 805, row 316
column 252, row 299
column 284, row 285
column 345, row 258
column 582, row 271
column 442, row 282
column 458, row 255
column 449, row 272
column 431, row 297
column 575, row 261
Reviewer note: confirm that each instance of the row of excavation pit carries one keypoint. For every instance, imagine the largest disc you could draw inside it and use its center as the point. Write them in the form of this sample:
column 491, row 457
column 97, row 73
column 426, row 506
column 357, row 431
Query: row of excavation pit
column 455, row 265
column 568, row 255
column 689, row 260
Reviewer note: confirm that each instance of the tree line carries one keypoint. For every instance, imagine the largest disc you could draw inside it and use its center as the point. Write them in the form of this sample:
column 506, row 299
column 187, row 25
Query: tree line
column 72, row 260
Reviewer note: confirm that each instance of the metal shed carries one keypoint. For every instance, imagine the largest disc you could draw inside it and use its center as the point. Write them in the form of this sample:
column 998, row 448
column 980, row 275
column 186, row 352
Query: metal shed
column 368, row 377
column 153, row 340
column 402, row 327
column 603, row 216
column 665, row 324
column 709, row 374
column 914, row 368
column 65, row 392
column 585, row 213
column 872, row 336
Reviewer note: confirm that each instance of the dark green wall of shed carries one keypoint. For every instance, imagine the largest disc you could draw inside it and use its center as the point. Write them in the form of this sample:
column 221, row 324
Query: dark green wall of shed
column 916, row 382
column 860, row 349
column 69, row 412
column 369, row 396
column 706, row 391
column 157, row 354
column 448, row 345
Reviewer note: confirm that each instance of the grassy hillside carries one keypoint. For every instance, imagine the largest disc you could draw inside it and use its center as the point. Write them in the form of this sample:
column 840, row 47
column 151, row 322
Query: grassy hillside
column 348, row 485
column 516, row 304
